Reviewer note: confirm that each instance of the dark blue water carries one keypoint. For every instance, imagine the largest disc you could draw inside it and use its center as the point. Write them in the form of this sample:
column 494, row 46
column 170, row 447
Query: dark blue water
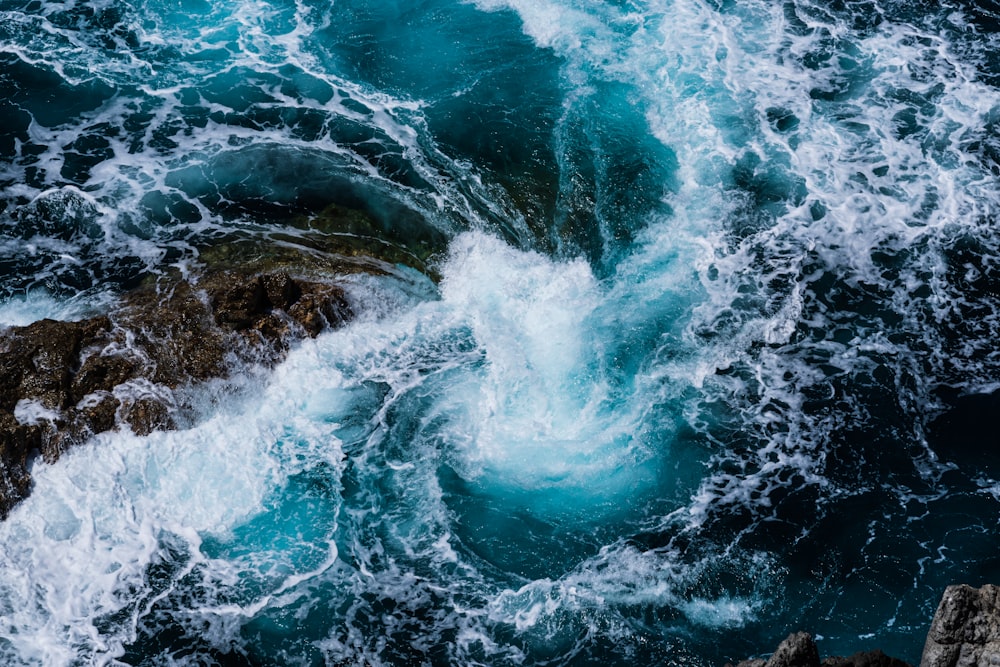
column 684, row 338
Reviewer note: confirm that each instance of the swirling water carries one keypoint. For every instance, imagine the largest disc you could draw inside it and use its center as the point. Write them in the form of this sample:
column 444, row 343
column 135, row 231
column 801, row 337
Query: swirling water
column 696, row 348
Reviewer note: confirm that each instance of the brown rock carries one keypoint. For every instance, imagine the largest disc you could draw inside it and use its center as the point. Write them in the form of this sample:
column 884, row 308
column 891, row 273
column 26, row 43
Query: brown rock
column 98, row 413
column 281, row 290
column 17, row 442
column 146, row 415
column 37, row 361
column 174, row 337
column 168, row 335
column 102, row 372
column 322, row 306
column 239, row 305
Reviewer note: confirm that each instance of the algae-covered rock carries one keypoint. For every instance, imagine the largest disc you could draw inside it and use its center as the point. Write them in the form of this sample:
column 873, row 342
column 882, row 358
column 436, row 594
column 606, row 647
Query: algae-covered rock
column 337, row 239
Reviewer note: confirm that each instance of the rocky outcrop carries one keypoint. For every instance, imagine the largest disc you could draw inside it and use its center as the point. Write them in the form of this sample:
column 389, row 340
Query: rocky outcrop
column 61, row 382
column 874, row 658
column 799, row 650
column 966, row 629
column 965, row 632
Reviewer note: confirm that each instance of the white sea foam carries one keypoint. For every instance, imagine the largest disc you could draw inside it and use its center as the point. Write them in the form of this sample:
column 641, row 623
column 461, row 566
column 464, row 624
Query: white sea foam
column 852, row 179
column 536, row 382
column 169, row 179
column 38, row 305
column 32, row 412
column 78, row 552
column 622, row 576
column 528, row 420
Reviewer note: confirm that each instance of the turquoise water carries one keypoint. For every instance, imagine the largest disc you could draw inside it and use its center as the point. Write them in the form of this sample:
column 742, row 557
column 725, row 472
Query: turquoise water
column 690, row 343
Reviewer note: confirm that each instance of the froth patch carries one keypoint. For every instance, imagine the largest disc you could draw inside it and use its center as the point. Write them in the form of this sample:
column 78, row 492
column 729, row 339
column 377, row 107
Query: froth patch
column 38, row 304
column 622, row 577
column 531, row 416
column 522, row 304
column 118, row 527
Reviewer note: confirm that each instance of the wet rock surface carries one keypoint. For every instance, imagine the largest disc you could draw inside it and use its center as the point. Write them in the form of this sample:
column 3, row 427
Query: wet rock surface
column 800, row 650
column 965, row 632
column 61, row 382
column 966, row 628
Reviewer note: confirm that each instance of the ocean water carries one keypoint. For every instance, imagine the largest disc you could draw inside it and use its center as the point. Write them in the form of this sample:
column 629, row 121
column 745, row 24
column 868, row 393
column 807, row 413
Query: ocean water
column 687, row 337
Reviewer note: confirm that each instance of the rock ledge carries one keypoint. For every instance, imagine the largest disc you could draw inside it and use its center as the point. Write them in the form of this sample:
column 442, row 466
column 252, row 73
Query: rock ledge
column 61, row 382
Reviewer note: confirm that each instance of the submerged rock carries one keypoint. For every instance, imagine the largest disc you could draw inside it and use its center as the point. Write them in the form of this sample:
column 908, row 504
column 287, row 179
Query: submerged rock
column 61, row 382
column 966, row 628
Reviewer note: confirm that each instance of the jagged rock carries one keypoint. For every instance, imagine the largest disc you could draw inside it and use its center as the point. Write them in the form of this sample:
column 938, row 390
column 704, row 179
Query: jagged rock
column 98, row 371
column 241, row 304
column 17, row 442
column 146, row 415
column 61, row 382
column 965, row 632
column 36, row 363
column 281, row 290
column 98, row 412
column 966, row 629
column 252, row 303
column 169, row 333
column 799, row 650
column 324, row 306
column 874, row 658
